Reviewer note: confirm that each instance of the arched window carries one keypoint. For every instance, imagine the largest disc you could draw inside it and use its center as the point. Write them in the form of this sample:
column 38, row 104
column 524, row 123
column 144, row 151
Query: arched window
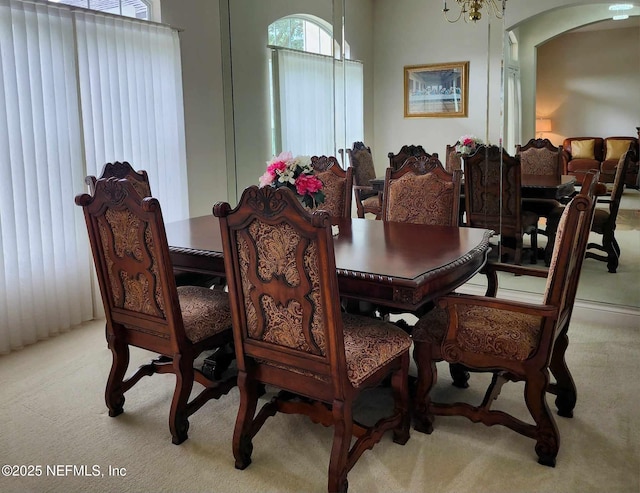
column 140, row 9
column 317, row 98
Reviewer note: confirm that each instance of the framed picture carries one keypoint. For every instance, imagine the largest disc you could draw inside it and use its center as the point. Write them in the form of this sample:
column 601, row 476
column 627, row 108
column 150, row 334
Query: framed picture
column 439, row 89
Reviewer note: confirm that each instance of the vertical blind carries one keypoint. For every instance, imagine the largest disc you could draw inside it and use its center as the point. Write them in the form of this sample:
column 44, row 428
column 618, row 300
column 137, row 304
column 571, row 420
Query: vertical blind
column 314, row 114
column 68, row 104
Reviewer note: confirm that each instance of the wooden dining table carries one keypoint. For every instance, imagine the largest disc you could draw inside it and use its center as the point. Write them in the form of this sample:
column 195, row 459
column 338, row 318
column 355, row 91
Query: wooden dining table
column 398, row 265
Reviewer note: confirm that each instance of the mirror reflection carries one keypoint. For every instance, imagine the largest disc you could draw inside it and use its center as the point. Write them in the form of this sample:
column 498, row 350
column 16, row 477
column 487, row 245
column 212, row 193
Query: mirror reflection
column 336, row 69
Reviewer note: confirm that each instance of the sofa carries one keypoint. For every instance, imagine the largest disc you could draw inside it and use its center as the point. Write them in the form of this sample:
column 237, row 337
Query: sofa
column 580, row 154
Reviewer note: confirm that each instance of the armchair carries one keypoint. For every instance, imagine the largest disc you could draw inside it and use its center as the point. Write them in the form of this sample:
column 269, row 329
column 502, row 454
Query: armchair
column 514, row 341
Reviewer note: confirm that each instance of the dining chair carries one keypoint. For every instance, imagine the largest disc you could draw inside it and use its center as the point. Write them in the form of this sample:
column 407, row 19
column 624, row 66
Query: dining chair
column 453, row 158
column 492, row 184
column 144, row 307
column 540, row 157
column 513, row 340
column 367, row 199
column 406, row 151
column 140, row 181
column 337, row 185
column 290, row 333
column 604, row 220
column 422, row 192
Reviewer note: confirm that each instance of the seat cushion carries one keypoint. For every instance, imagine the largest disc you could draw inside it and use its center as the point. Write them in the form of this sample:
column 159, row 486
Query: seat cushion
column 600, row 218
column 504, row 334
column 369, row 344
column 205, row 312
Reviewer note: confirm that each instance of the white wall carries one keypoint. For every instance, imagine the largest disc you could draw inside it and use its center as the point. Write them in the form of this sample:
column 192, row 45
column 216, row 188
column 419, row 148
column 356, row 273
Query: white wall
column 203, row 99
column 587, row 83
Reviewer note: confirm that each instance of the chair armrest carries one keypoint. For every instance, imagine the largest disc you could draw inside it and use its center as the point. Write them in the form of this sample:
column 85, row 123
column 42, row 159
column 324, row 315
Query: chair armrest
column 451, row 300
column 491, row 270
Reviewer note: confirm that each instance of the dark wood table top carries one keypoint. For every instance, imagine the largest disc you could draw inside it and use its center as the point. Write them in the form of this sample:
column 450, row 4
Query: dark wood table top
column 394, row 264
column 532, row 186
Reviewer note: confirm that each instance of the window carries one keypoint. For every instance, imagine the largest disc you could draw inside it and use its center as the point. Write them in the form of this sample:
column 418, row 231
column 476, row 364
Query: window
column 317, row 98
column 140, row 9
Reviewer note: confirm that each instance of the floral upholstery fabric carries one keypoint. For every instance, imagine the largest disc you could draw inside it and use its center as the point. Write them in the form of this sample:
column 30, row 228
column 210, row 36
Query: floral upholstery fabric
column 562, row 225
column 205, row 312
column 420, row 199
column 539, row 162
column 275, row 249
column 125, row 237
column 454, row 160
column 369, row 344
column 334, row 189
column 505, row 334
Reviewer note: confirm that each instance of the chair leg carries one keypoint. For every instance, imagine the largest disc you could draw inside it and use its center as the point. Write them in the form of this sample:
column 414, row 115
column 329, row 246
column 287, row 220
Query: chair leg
column 460, row 376
column 546, row 435
column 114, row 393
column 343, row 431
column 427, row 376
column 613, row 251
column 179, row 417
column 242, row 434
column 565, row 387
column 400, row 389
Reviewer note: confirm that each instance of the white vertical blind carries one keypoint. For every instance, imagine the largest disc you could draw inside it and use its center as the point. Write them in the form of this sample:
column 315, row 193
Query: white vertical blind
column 132, row 104
column 306, row 102
column 127, row 105
column 320, row 102
column 45, row 282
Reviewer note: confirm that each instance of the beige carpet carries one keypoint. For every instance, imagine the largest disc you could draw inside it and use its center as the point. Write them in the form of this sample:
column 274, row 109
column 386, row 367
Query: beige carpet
column 52, row 413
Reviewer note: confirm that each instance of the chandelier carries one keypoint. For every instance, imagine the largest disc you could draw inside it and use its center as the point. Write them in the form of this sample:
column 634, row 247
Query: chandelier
column 473, row 7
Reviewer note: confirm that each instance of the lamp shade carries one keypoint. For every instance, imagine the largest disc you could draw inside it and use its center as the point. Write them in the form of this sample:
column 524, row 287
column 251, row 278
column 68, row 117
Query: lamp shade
column 543, row 124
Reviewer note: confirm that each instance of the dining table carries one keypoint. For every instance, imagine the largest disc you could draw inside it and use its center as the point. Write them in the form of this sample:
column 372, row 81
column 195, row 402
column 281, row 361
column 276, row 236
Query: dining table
column 397, row 265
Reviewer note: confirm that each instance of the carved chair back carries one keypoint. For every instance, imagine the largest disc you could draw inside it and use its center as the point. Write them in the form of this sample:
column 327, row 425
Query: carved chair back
column 337, row 185
column 422, row 192
column 122, row 170
column 540, row 157
column 406, row 151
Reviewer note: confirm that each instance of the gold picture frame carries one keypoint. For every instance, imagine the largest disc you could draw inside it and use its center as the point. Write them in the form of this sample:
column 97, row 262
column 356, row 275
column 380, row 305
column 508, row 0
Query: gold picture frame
column 436, row 90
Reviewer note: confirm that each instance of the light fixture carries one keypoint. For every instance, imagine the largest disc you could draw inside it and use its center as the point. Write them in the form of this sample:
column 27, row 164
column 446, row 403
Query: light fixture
column 473, row 8
column 543, row 125
column 616, row 7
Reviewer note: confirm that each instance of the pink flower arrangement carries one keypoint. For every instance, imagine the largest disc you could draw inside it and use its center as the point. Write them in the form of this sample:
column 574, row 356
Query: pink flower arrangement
column 295, row 173
column 467, row 144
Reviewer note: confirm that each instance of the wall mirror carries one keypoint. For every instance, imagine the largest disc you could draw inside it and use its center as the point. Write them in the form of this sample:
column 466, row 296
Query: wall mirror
column 363, row 30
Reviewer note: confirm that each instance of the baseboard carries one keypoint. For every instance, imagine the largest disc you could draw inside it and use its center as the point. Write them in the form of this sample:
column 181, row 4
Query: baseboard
column 583, row 311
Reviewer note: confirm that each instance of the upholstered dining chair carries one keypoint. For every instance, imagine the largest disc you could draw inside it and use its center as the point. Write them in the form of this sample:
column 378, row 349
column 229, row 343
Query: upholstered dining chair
column 453, row 159
column 406, row 151
column 604, row 220
column 492, row 182
column 540, row 157
column 422, row 192
column 514, row 341
column 290, row 333
column 140, row 181
column 143, row 306
column 367, row 199
column 337, row 185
